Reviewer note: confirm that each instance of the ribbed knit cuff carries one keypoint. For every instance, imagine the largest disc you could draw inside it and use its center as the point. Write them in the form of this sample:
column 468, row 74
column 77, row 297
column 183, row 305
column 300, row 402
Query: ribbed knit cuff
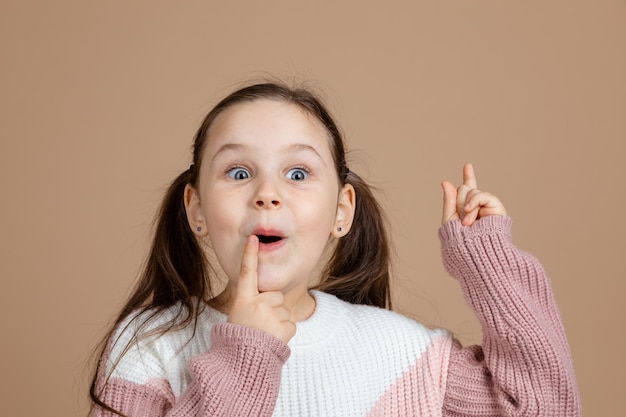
column 241, row 371
column 453, row 233
column 229, row 334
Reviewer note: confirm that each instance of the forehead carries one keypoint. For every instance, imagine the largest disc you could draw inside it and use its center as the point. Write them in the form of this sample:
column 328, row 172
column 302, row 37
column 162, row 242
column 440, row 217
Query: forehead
column 266, row 124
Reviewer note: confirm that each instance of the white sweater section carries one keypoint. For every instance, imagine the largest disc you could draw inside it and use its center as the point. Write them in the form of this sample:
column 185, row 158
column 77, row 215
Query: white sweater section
column 344, row 358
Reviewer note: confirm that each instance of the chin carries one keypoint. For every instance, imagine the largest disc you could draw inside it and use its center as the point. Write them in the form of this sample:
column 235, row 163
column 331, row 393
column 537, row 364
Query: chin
column 268, row 281
column 280, row 277
column 271, row 285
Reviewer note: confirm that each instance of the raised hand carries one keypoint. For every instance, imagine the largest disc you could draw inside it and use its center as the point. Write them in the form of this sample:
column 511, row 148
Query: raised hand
column 467, row 202
column 262, row 311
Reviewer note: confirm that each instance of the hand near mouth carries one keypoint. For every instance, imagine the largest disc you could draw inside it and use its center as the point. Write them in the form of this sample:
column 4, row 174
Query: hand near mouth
column 262, row 311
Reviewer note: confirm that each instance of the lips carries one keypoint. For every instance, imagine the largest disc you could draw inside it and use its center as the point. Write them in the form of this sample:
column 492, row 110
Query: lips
column 269, row 239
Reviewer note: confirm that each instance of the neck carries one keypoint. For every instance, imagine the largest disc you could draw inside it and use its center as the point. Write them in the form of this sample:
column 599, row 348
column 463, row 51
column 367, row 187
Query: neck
column 301, row 304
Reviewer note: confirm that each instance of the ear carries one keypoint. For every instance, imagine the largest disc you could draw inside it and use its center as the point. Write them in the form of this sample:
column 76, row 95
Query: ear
column 346, row 205
column 193, row 208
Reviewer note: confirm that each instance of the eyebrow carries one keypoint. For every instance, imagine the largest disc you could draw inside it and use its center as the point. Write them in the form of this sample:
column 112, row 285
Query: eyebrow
column 305, row 147
column 295, row 147
column 227, row 147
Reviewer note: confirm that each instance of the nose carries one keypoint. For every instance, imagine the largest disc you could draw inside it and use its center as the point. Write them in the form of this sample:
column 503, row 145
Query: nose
column 267, row 202
column 267, row 196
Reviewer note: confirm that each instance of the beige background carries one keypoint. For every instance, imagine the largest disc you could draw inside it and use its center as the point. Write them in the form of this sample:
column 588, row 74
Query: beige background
column 99, row 102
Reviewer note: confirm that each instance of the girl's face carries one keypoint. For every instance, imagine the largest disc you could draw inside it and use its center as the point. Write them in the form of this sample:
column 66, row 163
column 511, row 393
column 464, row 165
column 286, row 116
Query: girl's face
column 267, row 169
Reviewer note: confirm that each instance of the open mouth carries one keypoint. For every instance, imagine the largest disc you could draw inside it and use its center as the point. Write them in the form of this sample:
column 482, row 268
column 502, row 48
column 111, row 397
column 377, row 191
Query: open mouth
column 268, row 239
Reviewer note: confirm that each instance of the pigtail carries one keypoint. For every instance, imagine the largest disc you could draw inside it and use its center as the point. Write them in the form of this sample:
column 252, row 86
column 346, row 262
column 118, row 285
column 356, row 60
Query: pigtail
column 175, row 272
column 359, row 269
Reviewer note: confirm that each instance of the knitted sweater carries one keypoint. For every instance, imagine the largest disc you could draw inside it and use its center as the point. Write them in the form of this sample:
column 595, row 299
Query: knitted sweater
column 355, row 360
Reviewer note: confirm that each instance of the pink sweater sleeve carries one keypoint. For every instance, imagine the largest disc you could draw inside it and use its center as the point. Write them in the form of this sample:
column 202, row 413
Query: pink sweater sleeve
column 524, row 367
column 238, row 376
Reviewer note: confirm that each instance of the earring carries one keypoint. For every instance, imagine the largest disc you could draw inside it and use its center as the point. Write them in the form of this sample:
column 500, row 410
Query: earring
column 339, row 229
column 198, row 228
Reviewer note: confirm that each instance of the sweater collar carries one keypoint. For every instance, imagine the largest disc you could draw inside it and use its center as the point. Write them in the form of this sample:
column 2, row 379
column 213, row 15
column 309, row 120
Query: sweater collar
column 322, row 324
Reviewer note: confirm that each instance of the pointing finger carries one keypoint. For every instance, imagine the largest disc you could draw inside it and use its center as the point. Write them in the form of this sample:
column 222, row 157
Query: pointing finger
column 248, row 281
column 469, row 177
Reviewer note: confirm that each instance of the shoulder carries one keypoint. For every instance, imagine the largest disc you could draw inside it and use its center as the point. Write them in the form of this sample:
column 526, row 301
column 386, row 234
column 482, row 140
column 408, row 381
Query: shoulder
column 146, row 341
column 363, row 321
column 382, row 342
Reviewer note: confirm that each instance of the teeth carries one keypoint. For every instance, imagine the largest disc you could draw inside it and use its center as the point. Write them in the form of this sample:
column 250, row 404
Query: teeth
column 268, row 239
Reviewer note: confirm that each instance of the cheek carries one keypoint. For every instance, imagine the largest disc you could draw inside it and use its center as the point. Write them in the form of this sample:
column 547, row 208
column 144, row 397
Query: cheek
column 220, row 216
column 317, row 215
column 223, row 228
column 223, row 210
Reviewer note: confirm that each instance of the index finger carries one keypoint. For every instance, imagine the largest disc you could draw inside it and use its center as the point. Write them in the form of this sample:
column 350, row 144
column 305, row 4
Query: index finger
column 469, row 177
column 248, row 282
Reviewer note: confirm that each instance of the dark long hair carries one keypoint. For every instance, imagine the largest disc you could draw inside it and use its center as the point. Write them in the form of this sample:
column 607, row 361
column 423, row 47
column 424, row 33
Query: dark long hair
column 177, row 273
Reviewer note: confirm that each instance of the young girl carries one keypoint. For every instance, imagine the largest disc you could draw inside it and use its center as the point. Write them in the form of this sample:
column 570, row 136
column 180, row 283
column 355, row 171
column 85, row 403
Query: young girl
column 302, row 325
